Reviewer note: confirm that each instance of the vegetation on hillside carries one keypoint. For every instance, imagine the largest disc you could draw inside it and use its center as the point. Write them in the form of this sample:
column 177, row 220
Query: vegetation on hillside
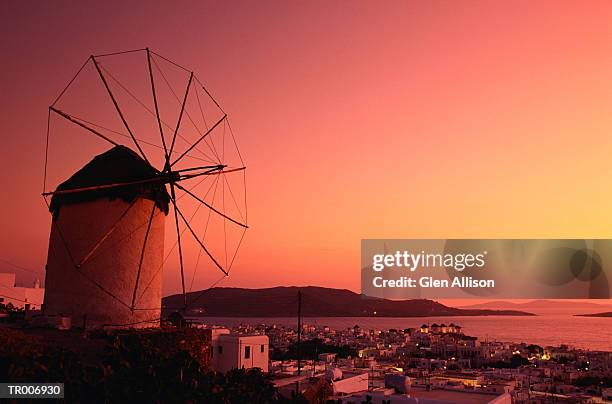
column 128, row 369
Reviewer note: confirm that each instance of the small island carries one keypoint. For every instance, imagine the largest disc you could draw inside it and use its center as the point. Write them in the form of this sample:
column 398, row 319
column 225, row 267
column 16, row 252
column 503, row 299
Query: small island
column 604, row 314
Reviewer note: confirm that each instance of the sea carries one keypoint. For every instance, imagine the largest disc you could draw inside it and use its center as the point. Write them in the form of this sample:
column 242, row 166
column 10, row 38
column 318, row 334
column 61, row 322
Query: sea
column 593, row 333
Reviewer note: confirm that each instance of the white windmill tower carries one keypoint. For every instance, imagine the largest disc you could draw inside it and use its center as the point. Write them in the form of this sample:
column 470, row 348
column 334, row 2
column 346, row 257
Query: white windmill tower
column 107, row 244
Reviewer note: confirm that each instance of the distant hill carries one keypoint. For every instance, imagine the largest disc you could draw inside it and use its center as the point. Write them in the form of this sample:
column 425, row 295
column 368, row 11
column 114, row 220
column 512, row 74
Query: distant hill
column 543, row 306
column 606, row 314
column 316, row 302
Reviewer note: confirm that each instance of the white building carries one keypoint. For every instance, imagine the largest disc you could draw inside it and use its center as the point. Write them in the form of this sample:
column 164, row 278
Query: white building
column 21, row 297
column 441, row 396
column 348, row 382
column 233, row 351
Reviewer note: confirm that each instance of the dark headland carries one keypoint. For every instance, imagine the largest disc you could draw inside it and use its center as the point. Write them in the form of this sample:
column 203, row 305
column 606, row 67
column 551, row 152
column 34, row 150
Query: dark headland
column 605, row 314
column 316, row 302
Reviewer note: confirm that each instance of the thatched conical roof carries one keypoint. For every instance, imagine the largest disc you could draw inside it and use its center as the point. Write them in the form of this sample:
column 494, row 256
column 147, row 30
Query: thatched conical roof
column 117, row 165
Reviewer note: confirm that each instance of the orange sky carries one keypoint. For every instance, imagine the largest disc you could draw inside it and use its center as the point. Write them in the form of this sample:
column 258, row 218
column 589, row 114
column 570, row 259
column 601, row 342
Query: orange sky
column 413, row 119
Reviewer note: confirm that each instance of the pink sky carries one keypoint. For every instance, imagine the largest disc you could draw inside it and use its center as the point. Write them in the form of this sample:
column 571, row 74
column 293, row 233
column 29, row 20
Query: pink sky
column 357, row 120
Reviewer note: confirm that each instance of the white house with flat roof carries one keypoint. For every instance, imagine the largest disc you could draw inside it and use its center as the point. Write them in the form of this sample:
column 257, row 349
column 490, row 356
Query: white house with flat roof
column 435, row 396
column 234, row 351
column 348, row 382
column 19, row 296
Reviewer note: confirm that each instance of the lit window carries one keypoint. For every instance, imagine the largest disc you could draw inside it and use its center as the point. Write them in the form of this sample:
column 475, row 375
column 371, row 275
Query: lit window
column 247, row 352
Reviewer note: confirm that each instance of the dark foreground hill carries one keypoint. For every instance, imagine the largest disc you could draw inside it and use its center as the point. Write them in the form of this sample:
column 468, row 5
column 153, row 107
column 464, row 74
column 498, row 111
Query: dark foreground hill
column 316, row 302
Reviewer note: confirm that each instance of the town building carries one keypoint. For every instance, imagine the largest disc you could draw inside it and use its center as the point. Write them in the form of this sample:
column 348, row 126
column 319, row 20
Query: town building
column 347, row 382
column 234, row 351
column 20, row 296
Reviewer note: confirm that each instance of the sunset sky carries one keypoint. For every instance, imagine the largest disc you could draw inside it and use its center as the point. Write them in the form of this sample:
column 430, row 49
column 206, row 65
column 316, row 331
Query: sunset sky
column 359, row 119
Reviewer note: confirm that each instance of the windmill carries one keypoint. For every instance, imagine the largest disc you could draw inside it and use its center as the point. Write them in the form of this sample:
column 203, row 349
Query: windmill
column 164, row 150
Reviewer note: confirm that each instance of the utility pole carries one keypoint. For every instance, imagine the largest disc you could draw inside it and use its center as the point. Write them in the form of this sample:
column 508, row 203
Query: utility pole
column 314, row 362
column 299, row 332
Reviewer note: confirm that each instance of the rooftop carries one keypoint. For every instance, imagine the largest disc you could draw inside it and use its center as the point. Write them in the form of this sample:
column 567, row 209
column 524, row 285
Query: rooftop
column 455, row 396
column 242, row 336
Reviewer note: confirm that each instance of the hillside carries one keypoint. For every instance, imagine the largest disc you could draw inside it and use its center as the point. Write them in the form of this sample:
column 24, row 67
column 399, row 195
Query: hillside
column 316, row 302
